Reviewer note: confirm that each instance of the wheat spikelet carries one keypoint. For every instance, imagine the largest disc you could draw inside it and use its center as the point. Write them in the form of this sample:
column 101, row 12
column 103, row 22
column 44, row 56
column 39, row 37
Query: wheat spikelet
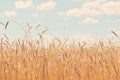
column 38, row 26
column 115, row 33
column 6, row 36
column 2, row 23
column 6, row 24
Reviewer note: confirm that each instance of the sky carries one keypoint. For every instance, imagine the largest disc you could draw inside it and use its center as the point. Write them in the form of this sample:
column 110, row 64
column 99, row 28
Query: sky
column 75, row 19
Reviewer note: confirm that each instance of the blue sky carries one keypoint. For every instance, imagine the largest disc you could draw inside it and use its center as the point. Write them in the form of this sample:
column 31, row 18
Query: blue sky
column 76, row 19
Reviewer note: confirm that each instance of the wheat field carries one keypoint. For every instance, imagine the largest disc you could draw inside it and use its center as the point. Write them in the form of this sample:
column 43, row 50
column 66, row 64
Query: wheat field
column 31, row 60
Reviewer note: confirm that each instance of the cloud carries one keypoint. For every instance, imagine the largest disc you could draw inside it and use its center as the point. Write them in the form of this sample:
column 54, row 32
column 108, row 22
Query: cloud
column 111, row 8
column 92, row 4
column 106, row 7
column 76, row 12
column 90, row 20
column 21, row 5
column 46, row 6
column 88, row 8
column 34, row 15
column 95, row 8
column 9, row 13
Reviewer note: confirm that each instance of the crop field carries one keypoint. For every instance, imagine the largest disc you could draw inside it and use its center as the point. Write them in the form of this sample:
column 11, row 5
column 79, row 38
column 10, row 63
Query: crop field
column 60, row 40
column 31, row 60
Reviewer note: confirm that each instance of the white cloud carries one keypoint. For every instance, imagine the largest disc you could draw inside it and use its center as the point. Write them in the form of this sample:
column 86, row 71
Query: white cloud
column 93, row 4
column 101, row 0
column 90, row 20
column 107, row 7
column 21, row 5
column 95, row 8
column 74, row 12
column 34, row 15
column 83, row 11
column 111, row 8
column 9, row 13
column 46, row 6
